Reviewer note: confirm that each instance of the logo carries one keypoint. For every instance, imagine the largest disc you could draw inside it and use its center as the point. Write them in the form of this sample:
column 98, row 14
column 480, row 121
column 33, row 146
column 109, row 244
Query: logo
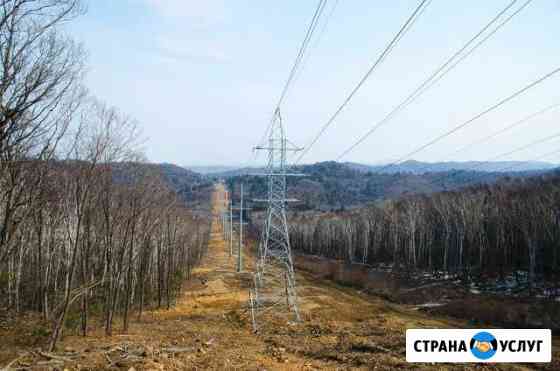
column 477, row 346
column 484, row 345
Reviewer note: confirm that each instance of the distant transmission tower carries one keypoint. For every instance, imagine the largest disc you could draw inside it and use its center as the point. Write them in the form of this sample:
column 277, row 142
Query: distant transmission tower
column 275, row 239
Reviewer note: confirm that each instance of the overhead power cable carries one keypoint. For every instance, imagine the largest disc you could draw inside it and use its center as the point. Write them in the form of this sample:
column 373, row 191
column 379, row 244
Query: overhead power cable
column 513, row 125
column 460, row 55
column 303, row 48
column 542, row 157
column 510, row 167
column 473, row 119
column 522, row 148
column 317, row 40
column 502, row 170
column 493, row 135
column 402, row 31
column 299, row 58
column 500, row 156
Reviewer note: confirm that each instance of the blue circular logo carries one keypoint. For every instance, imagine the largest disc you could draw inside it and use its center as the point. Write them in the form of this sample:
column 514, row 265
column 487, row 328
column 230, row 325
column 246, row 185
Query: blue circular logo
column 484, row 345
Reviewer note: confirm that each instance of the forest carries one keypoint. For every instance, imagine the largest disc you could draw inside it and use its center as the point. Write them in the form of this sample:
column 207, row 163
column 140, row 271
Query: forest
column 85, row 229
column 480, row 232
column 108, row 261
column 332, row 186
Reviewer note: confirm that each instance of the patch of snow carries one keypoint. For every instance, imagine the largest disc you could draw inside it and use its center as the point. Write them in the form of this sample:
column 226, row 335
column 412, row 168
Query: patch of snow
column 430, row 305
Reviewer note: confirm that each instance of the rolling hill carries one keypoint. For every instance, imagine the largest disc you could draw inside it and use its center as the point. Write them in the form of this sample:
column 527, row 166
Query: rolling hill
column 332, row 185
column 418, row 167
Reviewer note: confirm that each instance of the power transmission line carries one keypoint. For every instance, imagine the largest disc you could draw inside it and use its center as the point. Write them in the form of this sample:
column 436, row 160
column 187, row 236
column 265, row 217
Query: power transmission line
column 440, row 72
column 303, row 48
column 515, row 124
column 493, row 135
column 317, row 40
column 299, row 58
column 510, row 167
column 524, row 147
column 502, row 155
column 402, row 31
column 407, row 28
column 476, row 46
column 473, row 119
column 548, row 154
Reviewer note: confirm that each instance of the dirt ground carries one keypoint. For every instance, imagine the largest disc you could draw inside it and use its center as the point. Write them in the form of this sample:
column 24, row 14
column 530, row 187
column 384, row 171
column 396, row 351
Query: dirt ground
column 211, row 328
column 448, row 297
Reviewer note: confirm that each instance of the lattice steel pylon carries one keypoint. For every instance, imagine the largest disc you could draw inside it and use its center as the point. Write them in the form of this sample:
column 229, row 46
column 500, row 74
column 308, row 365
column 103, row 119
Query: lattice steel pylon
column 275, row 240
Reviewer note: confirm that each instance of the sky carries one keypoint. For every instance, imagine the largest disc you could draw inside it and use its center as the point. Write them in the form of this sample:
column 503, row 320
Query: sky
column 203, row 77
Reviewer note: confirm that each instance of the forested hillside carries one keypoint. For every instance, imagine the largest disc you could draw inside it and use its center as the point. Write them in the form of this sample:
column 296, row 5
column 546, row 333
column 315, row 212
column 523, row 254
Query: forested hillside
column 418, row 167
column 481, row 232
column 334, row 186
column 193, row 188
column 86, row 229
column 89, row 236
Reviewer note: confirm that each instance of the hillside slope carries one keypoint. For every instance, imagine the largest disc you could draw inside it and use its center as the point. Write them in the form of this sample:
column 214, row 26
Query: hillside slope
column 332, row 185
column 418, row 167
column 192, row 187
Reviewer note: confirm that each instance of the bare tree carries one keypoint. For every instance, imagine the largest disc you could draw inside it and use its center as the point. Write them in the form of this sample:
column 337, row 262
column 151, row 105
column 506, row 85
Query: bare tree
column 494, row 230
column 40, row 75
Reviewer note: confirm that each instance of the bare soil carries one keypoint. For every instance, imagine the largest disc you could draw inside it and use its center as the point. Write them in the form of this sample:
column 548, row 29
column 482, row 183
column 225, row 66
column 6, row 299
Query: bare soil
column 210, row 328
column 440, row 297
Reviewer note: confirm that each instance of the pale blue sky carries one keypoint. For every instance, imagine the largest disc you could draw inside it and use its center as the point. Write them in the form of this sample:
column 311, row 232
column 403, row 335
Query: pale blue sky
column 202, row 77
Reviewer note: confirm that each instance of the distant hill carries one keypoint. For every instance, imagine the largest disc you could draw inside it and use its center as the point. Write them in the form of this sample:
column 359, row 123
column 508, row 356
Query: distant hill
column 191, row 186
column 204, row 170
column 178, row 175
column 332, row 185
column 237, row 172
column 411, row 167
column 417, row 167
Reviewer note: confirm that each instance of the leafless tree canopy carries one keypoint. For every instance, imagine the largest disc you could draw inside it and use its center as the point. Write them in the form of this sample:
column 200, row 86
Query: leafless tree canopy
column 84, row 227
column 486, row 231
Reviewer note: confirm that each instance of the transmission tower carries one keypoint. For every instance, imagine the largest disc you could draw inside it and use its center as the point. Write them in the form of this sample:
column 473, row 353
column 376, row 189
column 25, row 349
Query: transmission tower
column 274, row 244
column 241, row 223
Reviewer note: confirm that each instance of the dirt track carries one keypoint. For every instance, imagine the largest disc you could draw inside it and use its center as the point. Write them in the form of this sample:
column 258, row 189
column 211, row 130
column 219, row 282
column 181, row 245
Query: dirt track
column 210, row 327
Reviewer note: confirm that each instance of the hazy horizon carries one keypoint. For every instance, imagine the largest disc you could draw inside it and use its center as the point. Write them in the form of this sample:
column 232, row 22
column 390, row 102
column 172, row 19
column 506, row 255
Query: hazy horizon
column 377, row 163
column 219, row 168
